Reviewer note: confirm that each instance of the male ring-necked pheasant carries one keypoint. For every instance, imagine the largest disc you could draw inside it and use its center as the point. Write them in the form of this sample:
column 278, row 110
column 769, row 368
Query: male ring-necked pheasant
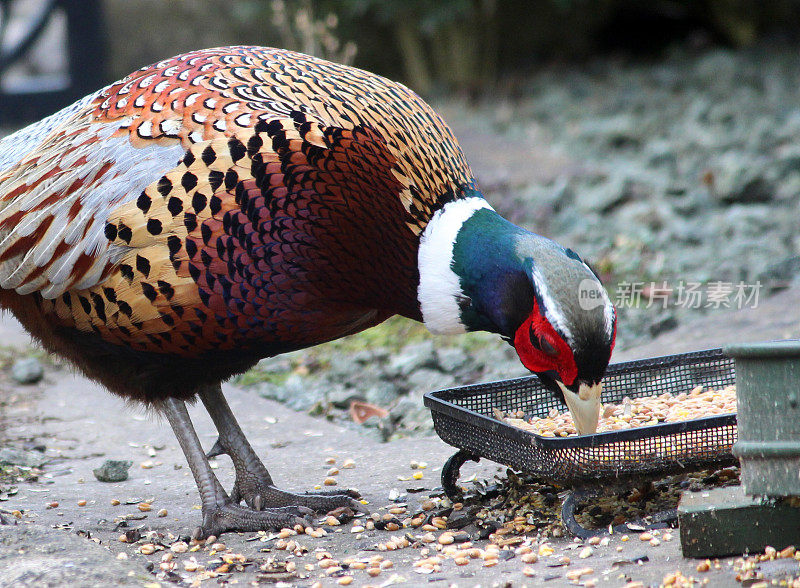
column 236, row 203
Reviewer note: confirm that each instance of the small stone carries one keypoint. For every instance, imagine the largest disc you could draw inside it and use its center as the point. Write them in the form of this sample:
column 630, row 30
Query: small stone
column 586, row 552
column 145, row 507
column 22, row 457
column 162, row 513
column 412, row 358
column 179, row 547
column 452, row 358
column 81, row 503
column 113, row 470
column 646, row 536
column 147, row 549
column 333, row 471
column 330, row 460
column 330, row 481
column 27, row 371
column 348, row 464
column 115, row 502
column 146, row 465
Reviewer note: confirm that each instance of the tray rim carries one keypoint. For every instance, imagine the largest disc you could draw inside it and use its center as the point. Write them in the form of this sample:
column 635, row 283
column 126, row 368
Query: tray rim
column 436, row 403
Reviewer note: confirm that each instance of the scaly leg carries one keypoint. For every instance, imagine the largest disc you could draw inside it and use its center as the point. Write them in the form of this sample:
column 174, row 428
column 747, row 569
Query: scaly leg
column 220, row 513
column 253, row 482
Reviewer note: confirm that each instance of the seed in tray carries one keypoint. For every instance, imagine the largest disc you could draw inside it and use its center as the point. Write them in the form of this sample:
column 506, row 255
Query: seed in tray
column 636, row 412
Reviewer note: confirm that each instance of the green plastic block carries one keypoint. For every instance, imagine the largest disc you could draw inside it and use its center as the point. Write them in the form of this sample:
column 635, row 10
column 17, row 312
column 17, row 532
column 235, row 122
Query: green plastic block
column 725, row 521
column 768, row 397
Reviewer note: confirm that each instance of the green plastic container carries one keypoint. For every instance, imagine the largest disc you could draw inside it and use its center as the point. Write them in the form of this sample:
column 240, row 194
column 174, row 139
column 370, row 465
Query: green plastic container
column 768, row 398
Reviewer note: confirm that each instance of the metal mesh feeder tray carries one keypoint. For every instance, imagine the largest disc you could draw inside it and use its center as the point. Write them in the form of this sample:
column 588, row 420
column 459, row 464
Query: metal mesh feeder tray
column 464, row 417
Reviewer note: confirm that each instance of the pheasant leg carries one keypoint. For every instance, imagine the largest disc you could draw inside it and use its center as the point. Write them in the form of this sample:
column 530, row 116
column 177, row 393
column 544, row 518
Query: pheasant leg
column 220, row 513
column 253, row 483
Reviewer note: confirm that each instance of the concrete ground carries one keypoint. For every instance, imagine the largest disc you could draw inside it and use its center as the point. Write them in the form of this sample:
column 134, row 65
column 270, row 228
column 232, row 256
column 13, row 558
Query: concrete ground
column 81, row 425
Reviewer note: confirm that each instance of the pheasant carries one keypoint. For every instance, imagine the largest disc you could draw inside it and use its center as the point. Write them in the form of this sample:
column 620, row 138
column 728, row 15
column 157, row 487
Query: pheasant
column 230, row 204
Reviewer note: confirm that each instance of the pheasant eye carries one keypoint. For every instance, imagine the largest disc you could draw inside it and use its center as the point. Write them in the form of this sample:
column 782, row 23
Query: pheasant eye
column 542, row 344
column 547, row 347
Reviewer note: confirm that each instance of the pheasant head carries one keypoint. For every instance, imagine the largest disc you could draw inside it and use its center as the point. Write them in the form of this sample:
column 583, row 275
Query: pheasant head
column 480, row 272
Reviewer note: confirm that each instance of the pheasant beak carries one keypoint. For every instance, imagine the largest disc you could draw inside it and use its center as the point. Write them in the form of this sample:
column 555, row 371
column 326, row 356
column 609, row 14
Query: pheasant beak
column 584, row 406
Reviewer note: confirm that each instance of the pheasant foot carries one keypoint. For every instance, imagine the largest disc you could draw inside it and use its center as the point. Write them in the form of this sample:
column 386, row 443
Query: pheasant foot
column 219, row 518
column 253, row 483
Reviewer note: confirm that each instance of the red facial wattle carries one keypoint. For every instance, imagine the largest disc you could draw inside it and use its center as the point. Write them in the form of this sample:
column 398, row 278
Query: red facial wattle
column 537, row 360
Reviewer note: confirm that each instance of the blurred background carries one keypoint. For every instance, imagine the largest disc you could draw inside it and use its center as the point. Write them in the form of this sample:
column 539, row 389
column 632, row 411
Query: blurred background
column 660, row 139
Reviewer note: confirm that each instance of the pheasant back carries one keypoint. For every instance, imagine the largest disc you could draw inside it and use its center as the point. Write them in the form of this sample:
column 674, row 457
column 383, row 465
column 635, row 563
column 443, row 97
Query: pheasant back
column 225, row 199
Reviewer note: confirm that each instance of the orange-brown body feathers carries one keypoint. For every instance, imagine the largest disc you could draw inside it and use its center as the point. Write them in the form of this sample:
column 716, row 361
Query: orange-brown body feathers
column 218, row 207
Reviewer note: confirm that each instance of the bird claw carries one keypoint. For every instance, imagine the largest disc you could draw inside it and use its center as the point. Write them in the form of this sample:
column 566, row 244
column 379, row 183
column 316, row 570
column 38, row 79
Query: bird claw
column 216, row 450
column 358, row 507
column 231, row 517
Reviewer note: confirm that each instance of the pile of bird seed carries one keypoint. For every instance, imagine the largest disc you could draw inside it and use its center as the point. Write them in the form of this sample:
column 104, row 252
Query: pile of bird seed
column 636, row 412
column 524, row 505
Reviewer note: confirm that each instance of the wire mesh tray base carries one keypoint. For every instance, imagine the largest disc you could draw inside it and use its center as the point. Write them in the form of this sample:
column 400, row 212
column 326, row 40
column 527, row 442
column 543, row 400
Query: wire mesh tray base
column 463, row 417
